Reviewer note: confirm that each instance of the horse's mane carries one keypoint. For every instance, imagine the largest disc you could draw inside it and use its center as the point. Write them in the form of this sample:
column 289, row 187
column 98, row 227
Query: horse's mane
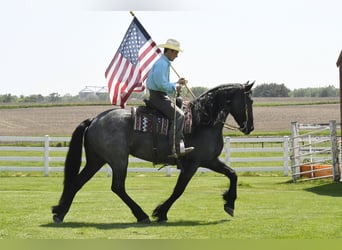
column 213, row 105
column 220, row 88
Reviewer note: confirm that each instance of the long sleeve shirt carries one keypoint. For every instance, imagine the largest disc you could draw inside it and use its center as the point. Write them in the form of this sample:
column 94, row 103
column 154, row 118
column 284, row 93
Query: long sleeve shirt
column 159, row 76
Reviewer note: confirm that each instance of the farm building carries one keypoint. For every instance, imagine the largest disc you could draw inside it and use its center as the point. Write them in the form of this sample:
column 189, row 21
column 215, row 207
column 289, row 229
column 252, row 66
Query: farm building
column 93, row 92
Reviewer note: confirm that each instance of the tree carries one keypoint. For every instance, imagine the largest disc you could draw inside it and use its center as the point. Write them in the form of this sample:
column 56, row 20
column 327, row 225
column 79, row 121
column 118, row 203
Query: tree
column 198, row 90
column 31, row 98
column 271, row 90
column 54, row 97
column 329, row 91
column 7, row 98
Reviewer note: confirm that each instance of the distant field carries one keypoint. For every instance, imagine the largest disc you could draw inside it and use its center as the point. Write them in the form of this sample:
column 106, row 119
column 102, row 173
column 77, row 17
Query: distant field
column 270, row 114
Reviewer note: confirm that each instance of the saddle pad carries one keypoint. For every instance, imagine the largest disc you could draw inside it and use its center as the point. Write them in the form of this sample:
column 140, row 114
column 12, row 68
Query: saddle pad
column 144, row 122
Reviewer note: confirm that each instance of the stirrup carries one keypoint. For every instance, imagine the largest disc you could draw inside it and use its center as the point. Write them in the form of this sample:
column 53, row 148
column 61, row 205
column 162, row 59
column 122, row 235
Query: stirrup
column 186, row 151
column 181, row 154
column 182, row 151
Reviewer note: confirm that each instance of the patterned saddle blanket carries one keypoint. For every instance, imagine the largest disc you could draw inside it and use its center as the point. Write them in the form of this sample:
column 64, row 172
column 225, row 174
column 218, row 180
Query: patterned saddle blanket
column 149, row 120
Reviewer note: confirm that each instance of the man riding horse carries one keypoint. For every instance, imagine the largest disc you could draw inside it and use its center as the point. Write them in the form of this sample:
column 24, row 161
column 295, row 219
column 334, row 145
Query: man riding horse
column 113, row 145
column 159, row 86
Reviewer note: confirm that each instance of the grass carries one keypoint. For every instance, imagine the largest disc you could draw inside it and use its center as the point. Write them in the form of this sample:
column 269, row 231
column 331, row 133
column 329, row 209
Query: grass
column 294, row 103
column 267, row 208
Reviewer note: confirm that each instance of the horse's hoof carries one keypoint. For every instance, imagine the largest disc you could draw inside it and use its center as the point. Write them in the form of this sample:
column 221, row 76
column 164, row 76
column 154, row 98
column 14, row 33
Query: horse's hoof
column 145, row 221
column 229, row 211
column 57, row 220
column 162, row 220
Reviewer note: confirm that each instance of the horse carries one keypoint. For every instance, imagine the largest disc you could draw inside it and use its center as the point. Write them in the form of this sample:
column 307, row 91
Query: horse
column 109, row 138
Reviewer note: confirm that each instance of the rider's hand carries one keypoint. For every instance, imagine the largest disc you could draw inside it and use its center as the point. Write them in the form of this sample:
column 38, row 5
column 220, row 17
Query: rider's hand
column 182, row 81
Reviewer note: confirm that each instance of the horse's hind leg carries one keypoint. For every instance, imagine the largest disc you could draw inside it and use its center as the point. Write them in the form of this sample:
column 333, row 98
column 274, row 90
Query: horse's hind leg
column 118, row 187
column 69, row 192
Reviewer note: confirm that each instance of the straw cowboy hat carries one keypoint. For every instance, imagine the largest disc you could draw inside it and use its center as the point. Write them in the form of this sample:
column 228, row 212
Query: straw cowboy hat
column 171, row 44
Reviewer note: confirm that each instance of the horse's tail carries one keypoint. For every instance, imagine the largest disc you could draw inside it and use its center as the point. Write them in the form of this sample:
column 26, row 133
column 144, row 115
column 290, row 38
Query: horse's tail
column 74, row 157
column 72, row 167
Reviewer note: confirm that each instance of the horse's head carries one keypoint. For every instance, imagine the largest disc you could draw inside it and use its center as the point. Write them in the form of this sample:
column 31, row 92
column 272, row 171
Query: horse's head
column 241, row 108
column 213, row 106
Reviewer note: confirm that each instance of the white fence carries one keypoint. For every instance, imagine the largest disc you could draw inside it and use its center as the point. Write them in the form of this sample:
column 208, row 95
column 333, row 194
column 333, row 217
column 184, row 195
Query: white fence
column 262, row 147
column 268, row 154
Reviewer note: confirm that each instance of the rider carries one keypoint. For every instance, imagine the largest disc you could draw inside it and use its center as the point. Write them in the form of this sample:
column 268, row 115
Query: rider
column 159, row 86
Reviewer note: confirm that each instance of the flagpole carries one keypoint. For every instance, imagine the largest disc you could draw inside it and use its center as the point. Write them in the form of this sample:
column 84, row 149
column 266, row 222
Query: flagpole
column 174, row 70
column 186, row 86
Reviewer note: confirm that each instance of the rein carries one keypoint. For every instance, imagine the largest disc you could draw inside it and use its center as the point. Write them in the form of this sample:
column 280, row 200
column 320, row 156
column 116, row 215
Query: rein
column 229, row 126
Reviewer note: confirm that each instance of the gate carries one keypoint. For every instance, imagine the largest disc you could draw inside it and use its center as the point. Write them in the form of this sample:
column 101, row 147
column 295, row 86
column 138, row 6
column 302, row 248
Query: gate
column 313, row 155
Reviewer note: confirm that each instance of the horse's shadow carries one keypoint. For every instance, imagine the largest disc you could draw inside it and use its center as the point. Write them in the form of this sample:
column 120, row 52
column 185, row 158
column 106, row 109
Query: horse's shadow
column 109, row 226
column 333, row 189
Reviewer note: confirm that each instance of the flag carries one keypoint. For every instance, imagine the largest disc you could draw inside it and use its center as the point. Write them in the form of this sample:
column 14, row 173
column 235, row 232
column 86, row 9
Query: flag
column 131, row 64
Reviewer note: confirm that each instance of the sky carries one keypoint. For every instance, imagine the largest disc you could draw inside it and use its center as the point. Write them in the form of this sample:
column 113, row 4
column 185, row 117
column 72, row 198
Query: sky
column 63, row 46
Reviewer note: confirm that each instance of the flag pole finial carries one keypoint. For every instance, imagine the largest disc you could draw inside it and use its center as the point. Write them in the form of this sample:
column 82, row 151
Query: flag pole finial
column 132, row 13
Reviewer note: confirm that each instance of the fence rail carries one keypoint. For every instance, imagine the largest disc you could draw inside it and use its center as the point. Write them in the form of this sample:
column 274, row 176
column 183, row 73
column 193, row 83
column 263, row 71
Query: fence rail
column 12, row 148
column 282, row 146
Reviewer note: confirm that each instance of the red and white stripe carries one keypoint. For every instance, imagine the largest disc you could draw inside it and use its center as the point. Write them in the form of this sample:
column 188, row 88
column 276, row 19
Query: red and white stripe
column 123, row 78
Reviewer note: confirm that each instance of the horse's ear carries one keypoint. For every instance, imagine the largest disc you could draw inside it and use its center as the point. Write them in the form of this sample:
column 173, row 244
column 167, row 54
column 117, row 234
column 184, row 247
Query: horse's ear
column 249, row 86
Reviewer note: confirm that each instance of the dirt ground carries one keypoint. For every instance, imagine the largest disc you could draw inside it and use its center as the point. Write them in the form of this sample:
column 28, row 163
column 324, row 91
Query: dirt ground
column 61, row 121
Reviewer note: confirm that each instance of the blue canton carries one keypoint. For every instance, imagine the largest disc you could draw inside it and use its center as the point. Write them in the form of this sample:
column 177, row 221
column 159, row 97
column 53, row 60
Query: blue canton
column 132, row 43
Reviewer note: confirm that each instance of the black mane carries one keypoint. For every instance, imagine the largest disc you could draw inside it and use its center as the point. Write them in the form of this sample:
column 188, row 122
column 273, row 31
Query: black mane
column 212, row 106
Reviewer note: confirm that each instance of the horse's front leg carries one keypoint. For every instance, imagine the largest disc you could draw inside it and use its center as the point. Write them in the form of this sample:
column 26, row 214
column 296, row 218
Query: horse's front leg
column 183, row 179
column 230, row 195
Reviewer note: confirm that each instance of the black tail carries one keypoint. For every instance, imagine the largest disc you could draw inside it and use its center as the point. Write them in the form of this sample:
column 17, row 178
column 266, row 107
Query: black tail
column 74, row 157
column 71, row 169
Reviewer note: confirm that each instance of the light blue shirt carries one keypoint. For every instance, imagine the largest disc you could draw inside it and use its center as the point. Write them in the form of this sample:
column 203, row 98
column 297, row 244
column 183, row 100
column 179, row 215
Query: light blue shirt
column 159, row 76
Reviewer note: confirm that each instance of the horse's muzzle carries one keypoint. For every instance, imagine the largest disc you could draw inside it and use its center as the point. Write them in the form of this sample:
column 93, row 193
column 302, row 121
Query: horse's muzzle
column 245, row 129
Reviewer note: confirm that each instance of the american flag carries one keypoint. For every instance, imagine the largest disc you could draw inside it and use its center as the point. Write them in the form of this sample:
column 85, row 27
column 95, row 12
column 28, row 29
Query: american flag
column 131, row 64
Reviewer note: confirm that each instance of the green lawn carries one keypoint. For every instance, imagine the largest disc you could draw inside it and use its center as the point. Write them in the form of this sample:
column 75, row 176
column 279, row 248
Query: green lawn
column 267, row 208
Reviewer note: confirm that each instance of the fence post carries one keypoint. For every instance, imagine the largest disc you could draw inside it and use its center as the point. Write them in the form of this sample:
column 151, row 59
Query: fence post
column 108, row 170
column 227, row 151
column 286, row 156
column 295, row 160
column 46, row 155
column 168, row 170
column 334, row 150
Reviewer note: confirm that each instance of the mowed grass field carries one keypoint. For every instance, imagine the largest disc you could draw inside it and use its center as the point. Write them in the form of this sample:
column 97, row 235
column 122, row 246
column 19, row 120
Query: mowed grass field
column 267, row 208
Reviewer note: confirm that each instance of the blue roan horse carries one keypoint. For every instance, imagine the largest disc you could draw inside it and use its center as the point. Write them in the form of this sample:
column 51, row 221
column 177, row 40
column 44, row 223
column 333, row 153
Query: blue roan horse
column 110, row 138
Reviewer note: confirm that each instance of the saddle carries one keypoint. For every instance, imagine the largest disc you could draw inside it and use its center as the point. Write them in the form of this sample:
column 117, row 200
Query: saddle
column 148, row 119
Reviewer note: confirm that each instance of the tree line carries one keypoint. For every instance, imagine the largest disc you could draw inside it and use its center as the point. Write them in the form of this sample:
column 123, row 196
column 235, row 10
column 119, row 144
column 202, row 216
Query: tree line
column 88, row 97
column 280, row 90
column 261, row 90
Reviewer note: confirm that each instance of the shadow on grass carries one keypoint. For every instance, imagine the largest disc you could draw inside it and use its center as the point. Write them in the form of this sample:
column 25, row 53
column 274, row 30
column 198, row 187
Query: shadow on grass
column 108, row 226
column 331, row 189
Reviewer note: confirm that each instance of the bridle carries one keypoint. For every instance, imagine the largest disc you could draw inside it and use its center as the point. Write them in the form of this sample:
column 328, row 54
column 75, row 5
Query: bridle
column 233, row 127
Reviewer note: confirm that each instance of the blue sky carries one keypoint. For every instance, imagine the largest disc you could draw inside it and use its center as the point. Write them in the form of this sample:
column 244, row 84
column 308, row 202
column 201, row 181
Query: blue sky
column 62, row 46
